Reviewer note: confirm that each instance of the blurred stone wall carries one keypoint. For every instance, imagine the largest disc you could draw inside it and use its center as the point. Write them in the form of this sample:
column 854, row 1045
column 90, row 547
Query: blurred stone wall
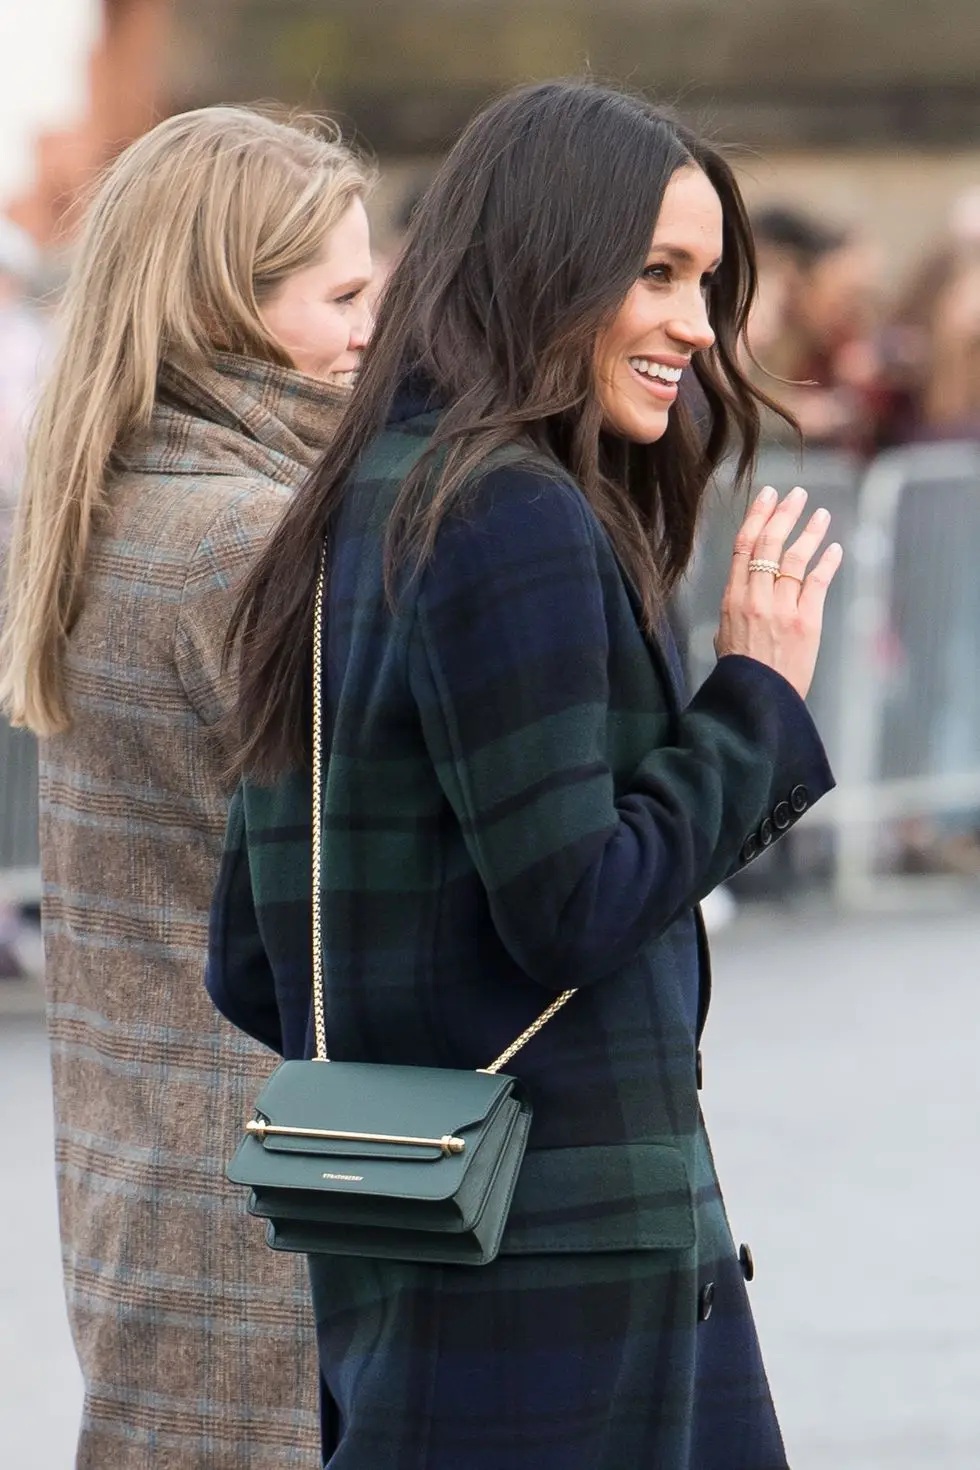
column 815, row 72
column 864, row 110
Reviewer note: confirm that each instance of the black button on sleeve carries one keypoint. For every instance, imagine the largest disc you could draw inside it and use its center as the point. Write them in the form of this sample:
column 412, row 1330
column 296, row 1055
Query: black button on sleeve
column 782, row 816
column 766, row 832
column 746, row 1262
column 706, row 1300
column 751, row 848
column 799, row 799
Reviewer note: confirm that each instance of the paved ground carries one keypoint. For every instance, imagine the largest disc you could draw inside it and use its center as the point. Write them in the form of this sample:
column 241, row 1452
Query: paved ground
column 842, row 1088
column 40, row 1390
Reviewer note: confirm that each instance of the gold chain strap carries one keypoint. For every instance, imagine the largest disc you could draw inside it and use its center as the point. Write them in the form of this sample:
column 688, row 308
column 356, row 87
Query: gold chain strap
column 319, row 1022
column 532, row 1030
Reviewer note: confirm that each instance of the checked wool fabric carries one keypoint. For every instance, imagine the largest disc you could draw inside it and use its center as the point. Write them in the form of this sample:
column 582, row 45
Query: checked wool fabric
column 515, row 801
column 195, row 1343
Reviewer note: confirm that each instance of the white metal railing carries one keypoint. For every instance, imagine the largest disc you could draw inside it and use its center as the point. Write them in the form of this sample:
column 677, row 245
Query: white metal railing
column 19, row 866
column 910, row 525
column 948, row 475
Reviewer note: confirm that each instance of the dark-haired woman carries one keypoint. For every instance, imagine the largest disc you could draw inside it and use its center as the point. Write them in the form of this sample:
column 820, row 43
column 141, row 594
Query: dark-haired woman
column 517, row 799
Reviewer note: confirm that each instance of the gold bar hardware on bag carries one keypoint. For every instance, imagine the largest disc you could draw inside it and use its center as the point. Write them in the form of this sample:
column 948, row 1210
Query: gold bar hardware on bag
column 447, row 1144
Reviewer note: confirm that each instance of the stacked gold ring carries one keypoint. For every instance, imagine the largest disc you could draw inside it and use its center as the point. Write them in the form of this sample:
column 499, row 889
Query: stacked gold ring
column 761, row 565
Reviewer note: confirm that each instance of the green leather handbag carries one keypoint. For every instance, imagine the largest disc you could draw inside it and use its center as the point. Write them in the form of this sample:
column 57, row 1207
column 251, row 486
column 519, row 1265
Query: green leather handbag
column 369, row 1159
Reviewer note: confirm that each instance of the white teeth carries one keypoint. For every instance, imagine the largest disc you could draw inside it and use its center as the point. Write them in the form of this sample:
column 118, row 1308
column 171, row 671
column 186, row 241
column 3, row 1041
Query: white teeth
column 656, row 370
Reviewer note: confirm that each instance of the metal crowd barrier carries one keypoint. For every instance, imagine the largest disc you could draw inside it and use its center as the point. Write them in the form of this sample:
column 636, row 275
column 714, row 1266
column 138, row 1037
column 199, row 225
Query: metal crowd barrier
column 20, row 880
column 909, row 729
column 897, row 690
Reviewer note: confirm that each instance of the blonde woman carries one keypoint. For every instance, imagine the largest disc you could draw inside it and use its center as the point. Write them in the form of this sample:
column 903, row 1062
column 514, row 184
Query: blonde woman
column 213, row 320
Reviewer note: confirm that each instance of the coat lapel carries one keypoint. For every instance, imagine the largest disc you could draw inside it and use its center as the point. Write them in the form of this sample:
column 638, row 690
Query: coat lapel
column 661, row 647
column 664, row 652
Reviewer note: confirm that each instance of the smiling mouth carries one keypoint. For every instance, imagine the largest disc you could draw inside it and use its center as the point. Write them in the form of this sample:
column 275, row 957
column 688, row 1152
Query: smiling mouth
column 659, row 381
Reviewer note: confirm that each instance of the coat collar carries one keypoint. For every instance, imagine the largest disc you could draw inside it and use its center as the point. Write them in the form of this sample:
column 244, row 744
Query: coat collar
column 415, row 396
column 234, row 415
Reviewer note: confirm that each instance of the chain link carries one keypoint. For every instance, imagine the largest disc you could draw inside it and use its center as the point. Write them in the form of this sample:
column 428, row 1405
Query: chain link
column 531, row 1031
column 319, row 1021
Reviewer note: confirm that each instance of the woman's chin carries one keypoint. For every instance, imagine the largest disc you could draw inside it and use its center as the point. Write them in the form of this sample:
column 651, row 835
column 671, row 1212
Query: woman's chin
column 644, row 428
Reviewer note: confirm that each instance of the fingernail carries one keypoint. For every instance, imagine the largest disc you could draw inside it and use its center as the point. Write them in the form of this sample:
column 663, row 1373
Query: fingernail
column 798, row 491
column 767, row 495
column 821, row 515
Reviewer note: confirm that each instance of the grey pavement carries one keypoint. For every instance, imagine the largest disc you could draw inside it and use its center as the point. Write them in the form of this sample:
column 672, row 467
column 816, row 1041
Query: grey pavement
column 40, row 1386
column 843, row 1098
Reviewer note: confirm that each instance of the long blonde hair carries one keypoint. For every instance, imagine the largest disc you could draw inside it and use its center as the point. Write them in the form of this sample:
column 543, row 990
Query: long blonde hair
column 191, row 229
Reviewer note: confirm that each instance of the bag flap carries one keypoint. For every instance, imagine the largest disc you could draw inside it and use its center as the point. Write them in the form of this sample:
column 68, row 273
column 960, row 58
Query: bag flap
column 620, row 1197
column 390, row 1101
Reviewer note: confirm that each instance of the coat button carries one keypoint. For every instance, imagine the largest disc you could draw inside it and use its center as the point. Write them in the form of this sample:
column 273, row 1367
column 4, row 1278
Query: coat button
column 799, row 799
column 706, row 1301
column 699, row 1071
column 746, row 1261
column 766, row 832
column 781, row 816
column 751, row 848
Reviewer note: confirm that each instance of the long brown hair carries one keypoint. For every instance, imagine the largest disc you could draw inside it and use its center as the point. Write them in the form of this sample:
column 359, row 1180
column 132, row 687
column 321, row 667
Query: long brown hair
column 523, row 248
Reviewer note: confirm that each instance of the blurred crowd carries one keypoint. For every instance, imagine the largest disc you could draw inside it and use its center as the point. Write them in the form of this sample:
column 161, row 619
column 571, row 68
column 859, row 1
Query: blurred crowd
column 863, row 373
column 858, row 371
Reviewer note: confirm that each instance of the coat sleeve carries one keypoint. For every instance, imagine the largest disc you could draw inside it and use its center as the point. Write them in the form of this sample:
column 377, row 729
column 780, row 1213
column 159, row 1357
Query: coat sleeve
column 231, row 541
column 509, row 665
column 239, row 978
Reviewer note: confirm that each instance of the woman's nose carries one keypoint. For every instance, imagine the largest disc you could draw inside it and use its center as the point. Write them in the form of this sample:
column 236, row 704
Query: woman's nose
column 362, row 328
column 694, row 327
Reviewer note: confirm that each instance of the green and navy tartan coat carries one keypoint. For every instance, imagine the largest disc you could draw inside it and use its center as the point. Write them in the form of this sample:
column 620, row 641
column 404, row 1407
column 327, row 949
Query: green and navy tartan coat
column 516, row 802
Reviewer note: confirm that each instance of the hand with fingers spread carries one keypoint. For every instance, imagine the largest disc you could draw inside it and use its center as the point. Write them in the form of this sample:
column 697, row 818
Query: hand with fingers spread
column 772, row 609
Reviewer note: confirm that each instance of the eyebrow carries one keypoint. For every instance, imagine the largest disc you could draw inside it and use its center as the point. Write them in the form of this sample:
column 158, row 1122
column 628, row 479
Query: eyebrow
column 681, row 256
column 358, row 283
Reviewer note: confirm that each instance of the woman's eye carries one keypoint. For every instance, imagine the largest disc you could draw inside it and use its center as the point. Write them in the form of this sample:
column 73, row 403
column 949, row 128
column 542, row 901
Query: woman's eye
column 348, row 299
column 659, row 273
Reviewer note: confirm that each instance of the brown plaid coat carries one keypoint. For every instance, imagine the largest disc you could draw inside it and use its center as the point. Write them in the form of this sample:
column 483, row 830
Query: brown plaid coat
column 196, row 1343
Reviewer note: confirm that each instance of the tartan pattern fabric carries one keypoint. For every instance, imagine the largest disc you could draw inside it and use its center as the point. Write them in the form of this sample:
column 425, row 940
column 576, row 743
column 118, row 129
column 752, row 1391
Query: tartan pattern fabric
column 592, row 1360
column 516, row 801
column 196, row 1344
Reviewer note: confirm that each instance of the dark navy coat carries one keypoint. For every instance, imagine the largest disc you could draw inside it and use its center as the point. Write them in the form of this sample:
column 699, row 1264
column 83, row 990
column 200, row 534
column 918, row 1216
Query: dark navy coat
column 516, row 801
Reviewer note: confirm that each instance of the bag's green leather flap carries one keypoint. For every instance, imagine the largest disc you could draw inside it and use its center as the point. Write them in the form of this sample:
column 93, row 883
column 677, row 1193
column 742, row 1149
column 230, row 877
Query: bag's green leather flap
column 621, row 1197
column 359, row 1097
column 417, row 1102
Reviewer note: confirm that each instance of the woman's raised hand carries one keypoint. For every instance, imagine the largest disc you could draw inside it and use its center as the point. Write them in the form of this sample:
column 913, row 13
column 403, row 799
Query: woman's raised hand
column 773, row 612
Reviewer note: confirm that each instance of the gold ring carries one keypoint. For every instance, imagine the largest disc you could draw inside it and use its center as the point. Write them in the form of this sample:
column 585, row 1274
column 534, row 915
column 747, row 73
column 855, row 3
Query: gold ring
column 788, row 576
column 761, row 565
